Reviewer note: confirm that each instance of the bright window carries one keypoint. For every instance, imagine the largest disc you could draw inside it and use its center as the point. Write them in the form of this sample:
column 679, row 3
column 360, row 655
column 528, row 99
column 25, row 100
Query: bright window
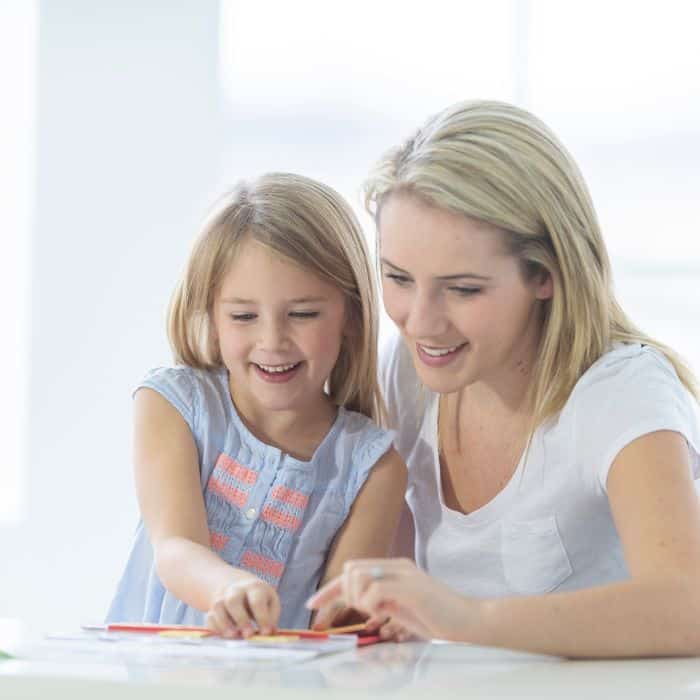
column 18, row 29
column 324, row 88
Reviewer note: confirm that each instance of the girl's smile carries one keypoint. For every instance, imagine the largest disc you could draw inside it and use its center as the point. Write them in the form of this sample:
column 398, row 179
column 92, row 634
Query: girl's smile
column 280, row 330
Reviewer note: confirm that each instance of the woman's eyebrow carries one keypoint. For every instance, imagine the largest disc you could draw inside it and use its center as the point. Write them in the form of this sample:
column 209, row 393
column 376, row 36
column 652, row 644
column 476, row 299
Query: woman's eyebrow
column 444, row 278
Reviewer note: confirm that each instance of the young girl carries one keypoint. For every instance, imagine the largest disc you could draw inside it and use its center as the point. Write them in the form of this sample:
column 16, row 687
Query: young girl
column 259, row 469
column 551, row 462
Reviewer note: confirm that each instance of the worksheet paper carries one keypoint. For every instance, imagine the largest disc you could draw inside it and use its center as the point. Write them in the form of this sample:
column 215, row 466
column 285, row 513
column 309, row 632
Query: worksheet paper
column 137, row 648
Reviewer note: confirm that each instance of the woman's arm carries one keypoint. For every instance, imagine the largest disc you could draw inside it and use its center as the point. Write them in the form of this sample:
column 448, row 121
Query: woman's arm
column 655, row 613
column 172, row 506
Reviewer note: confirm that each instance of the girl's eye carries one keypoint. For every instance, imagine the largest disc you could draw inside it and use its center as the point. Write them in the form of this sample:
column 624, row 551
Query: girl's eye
column 401, row 280
column 466, row 291
column 242, row 317
column 303, row 314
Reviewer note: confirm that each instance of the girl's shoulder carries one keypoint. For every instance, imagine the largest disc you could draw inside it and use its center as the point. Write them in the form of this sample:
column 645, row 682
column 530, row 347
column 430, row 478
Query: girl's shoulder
column 358, row 430
column 189, row 389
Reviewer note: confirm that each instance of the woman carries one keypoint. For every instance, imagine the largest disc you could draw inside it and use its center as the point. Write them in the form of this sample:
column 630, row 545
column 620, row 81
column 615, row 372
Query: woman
column 551, row 459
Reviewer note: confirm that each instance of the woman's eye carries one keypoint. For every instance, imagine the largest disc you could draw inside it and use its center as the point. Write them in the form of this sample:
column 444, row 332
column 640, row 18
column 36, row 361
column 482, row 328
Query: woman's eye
column 242, row 317
column 466, row 291
column 401, row 280
column 303, row 314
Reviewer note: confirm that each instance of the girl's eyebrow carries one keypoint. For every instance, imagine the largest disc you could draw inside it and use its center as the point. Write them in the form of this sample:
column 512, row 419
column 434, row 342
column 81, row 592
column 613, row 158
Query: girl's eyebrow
column 445, row 278
column 299, row 300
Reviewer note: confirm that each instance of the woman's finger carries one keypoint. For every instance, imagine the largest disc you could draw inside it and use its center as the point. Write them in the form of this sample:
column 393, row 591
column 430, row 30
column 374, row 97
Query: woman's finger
column 325, row 616
column 326, row 594
column 391, row 629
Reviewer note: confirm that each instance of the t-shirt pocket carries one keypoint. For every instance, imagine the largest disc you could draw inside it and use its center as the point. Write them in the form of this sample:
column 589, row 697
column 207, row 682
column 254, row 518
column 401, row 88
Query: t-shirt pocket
column 534, row 558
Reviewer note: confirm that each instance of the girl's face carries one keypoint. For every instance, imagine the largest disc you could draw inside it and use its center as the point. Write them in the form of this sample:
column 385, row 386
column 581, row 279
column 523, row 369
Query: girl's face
column 459, row 300
column 279, row 328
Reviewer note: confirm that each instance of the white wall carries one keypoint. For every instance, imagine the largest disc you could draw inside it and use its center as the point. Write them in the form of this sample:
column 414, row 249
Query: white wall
column 129, row 138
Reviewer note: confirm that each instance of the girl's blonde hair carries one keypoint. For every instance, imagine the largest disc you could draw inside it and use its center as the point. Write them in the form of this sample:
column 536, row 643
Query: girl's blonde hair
column 310, row 225
column 497, row 163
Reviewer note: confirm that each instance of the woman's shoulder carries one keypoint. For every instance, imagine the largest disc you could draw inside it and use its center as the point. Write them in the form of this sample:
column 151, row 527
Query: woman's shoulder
column 632, row 390
column 631, row 368
column 397, row 374
column 633, row 380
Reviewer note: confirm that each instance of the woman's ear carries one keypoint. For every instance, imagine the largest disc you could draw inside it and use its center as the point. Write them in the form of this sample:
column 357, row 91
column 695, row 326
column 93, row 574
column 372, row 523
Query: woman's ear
column 544, row 287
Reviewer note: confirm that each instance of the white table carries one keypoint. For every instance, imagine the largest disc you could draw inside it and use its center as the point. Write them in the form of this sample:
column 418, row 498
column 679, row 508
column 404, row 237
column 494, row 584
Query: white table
column 409, row 670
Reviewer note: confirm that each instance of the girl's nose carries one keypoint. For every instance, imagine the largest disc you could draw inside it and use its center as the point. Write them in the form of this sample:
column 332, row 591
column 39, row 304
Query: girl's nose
column 273, row 335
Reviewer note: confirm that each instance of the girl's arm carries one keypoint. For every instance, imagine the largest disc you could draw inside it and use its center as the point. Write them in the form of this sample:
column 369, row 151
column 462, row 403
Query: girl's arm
column 370, row 528
column 172, row 506
column 654, row 613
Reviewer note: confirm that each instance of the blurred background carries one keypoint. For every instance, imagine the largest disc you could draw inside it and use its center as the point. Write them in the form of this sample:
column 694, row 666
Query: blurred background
column 121, row 121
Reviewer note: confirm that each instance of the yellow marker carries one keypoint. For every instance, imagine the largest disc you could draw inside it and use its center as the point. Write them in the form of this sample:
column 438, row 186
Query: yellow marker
column 274, row 638
column 183, row 634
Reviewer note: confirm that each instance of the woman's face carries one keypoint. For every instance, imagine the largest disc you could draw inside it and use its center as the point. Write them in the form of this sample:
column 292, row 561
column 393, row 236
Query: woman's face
column 459, row 299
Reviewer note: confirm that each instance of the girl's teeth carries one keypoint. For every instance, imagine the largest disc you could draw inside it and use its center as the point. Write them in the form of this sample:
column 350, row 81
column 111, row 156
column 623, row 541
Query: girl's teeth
column 435, row 352
column 277, row 368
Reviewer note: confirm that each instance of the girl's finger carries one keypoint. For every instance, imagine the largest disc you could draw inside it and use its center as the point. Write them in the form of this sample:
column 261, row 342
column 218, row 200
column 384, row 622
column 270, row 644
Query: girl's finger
column 219, row 621
column 236, row 608
column 259, row 601
column 275, row 609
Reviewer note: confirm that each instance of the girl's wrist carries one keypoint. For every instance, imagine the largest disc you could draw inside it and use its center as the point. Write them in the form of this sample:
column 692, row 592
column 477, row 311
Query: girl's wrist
column 236, row 577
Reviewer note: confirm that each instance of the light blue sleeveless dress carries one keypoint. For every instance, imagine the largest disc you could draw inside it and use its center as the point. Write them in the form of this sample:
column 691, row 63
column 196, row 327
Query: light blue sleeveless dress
column 267, row 512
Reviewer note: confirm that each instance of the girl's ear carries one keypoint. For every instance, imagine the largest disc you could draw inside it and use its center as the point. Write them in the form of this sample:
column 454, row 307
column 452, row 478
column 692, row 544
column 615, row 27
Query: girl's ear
column 349, row 322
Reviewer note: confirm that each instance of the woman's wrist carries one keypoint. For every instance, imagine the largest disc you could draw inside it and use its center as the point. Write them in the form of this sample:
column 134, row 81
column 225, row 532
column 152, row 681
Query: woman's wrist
column 464, row 617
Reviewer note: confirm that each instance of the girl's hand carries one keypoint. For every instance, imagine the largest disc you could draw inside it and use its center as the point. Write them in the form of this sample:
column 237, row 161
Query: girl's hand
column 243, row 604
column 396, row 588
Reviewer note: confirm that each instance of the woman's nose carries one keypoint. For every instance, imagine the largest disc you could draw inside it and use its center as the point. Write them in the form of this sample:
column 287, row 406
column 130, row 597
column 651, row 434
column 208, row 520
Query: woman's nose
column 424, row 317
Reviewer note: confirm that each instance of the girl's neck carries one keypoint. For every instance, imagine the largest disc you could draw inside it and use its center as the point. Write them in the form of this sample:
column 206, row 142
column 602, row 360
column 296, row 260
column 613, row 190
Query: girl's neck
column 296, row 432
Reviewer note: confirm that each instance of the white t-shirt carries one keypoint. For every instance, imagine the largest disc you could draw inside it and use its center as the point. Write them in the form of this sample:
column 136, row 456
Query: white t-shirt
column 550, row 528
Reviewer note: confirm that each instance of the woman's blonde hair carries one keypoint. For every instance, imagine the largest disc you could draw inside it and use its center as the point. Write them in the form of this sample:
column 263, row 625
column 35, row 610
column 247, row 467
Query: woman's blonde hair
column 310, row 225
column 497, row 163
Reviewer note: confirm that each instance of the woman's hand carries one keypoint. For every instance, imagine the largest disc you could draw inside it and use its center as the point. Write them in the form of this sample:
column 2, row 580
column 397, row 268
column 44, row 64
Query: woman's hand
column 397, row 589
column 337, row 614
column 241, row 606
